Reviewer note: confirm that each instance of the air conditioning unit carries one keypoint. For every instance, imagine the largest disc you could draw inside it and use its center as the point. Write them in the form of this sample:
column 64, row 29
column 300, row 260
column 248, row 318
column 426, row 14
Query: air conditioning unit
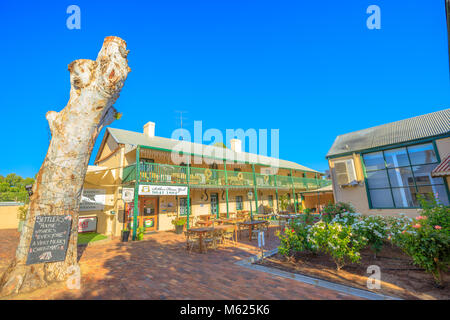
column 345, row 172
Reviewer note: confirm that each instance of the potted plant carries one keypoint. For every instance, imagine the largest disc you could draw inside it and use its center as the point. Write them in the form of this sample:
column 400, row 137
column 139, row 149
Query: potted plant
column 179, row 224
column 140, row 233
column 125, row 234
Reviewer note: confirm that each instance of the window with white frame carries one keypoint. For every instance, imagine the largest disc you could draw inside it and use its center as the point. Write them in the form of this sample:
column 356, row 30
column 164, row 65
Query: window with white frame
column 395, row 177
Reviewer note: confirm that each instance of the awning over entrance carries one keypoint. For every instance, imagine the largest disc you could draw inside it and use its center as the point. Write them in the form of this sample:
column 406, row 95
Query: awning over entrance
column 327, row 189
column 443, row 169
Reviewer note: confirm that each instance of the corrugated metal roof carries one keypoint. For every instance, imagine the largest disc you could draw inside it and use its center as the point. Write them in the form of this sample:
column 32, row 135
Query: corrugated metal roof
column 325, row 189
column 132, row 139
column 443, row 169
column 420, row 127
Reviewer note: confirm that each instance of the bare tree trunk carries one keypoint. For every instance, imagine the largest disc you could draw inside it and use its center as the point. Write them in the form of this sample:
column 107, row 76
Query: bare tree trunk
column 95, row 86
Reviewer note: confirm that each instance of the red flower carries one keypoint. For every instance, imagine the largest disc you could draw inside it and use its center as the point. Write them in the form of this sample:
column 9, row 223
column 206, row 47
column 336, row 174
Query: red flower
column 417, row 226
column 438, row 227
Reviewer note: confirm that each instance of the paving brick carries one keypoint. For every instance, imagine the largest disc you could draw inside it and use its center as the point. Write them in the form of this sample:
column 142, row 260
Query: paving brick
column 160, row 268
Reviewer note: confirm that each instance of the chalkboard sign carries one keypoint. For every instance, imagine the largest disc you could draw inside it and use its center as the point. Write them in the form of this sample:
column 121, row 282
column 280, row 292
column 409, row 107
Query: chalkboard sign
column 50, row 239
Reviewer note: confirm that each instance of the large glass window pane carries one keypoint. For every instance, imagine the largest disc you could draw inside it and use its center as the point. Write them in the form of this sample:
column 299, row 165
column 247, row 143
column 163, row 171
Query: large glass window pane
column 403, row 197
column 437, row 191
column 396, row 158
column 381, row 198
column 377, row 179
column 373, row 161
column 422, row 174
column 422, row 154
column 401, row 177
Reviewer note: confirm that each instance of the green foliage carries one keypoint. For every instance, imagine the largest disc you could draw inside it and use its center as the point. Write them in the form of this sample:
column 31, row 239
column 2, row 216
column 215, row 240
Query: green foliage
column 307, row 217
column 140, row 233
column 427, row 239
column 338, row 241
column 331, row 210
column 284, row 202
column 395, row 226
column 179, row 221
column 374, row 229
column 294, row 239
column 12, row 188
column 347, row 218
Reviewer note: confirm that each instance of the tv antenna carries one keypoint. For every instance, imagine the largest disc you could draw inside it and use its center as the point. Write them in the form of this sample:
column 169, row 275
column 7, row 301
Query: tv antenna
column 181, row 117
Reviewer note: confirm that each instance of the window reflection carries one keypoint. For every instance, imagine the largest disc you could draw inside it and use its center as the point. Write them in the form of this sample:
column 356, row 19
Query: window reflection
column 396, row 177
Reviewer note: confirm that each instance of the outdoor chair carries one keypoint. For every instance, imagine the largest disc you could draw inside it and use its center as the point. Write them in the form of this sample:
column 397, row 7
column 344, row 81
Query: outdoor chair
column 218, row 235
column 210, row 240
column 229, row 235
column 191, row 240
column 240, row 227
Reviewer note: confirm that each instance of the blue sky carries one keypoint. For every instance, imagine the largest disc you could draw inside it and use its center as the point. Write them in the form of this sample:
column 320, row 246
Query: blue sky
column 311, row 69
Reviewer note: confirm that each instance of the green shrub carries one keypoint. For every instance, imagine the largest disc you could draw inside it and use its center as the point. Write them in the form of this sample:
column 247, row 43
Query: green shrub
column 347, row 218
column 338, row 241
column 427, row 240
column 395, row 226
column 374, row 229
column 331, row 210
column 294, row 239
column 180, row 221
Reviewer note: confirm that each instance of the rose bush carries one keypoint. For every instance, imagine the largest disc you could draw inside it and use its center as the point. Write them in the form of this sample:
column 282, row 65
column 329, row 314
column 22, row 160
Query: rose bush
column 330, row 211
column 294, row 239
column 337, row 240
column 427, row 239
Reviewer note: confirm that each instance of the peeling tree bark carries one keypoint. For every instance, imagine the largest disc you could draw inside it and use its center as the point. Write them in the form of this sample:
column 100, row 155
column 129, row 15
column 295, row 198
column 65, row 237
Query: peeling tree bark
column 95, row 86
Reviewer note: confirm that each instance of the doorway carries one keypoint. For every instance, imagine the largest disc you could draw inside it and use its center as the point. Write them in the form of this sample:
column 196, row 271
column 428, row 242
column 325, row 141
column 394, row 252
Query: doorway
column 215, row 204
column 148, row 214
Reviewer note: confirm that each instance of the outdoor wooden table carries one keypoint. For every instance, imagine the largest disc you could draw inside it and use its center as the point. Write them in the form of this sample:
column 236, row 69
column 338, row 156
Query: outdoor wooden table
column 288, row 217
column 201, row 232
column 222, row 221
column 228, row 226
column 250, row 225
column 263, row 216
column 205, row 223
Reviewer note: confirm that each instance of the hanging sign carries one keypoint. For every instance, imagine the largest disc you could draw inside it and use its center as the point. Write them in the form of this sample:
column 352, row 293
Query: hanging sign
column 152, row 190
column 50, row 239
column 93, row 200
column 128, row 194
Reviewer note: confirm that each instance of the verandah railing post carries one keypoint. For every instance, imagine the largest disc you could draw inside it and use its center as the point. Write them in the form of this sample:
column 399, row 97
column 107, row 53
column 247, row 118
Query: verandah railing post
column 256, row 191
column 226, row 185
column 136, row 192
column 276, row 192
column 188, row 193
column 293, row 192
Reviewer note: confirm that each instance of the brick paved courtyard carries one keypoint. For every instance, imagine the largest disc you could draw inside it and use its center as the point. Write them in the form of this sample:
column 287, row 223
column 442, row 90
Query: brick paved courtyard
column 160, row 268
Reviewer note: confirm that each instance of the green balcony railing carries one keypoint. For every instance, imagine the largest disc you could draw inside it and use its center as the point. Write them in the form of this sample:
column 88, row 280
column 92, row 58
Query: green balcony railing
column 156, row 173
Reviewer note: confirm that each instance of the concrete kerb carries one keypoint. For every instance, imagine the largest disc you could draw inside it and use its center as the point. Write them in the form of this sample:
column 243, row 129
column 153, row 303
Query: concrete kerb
column 249, row 263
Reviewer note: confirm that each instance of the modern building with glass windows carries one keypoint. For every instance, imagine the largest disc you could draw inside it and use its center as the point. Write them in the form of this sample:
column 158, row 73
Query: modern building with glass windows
column 384, row 169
